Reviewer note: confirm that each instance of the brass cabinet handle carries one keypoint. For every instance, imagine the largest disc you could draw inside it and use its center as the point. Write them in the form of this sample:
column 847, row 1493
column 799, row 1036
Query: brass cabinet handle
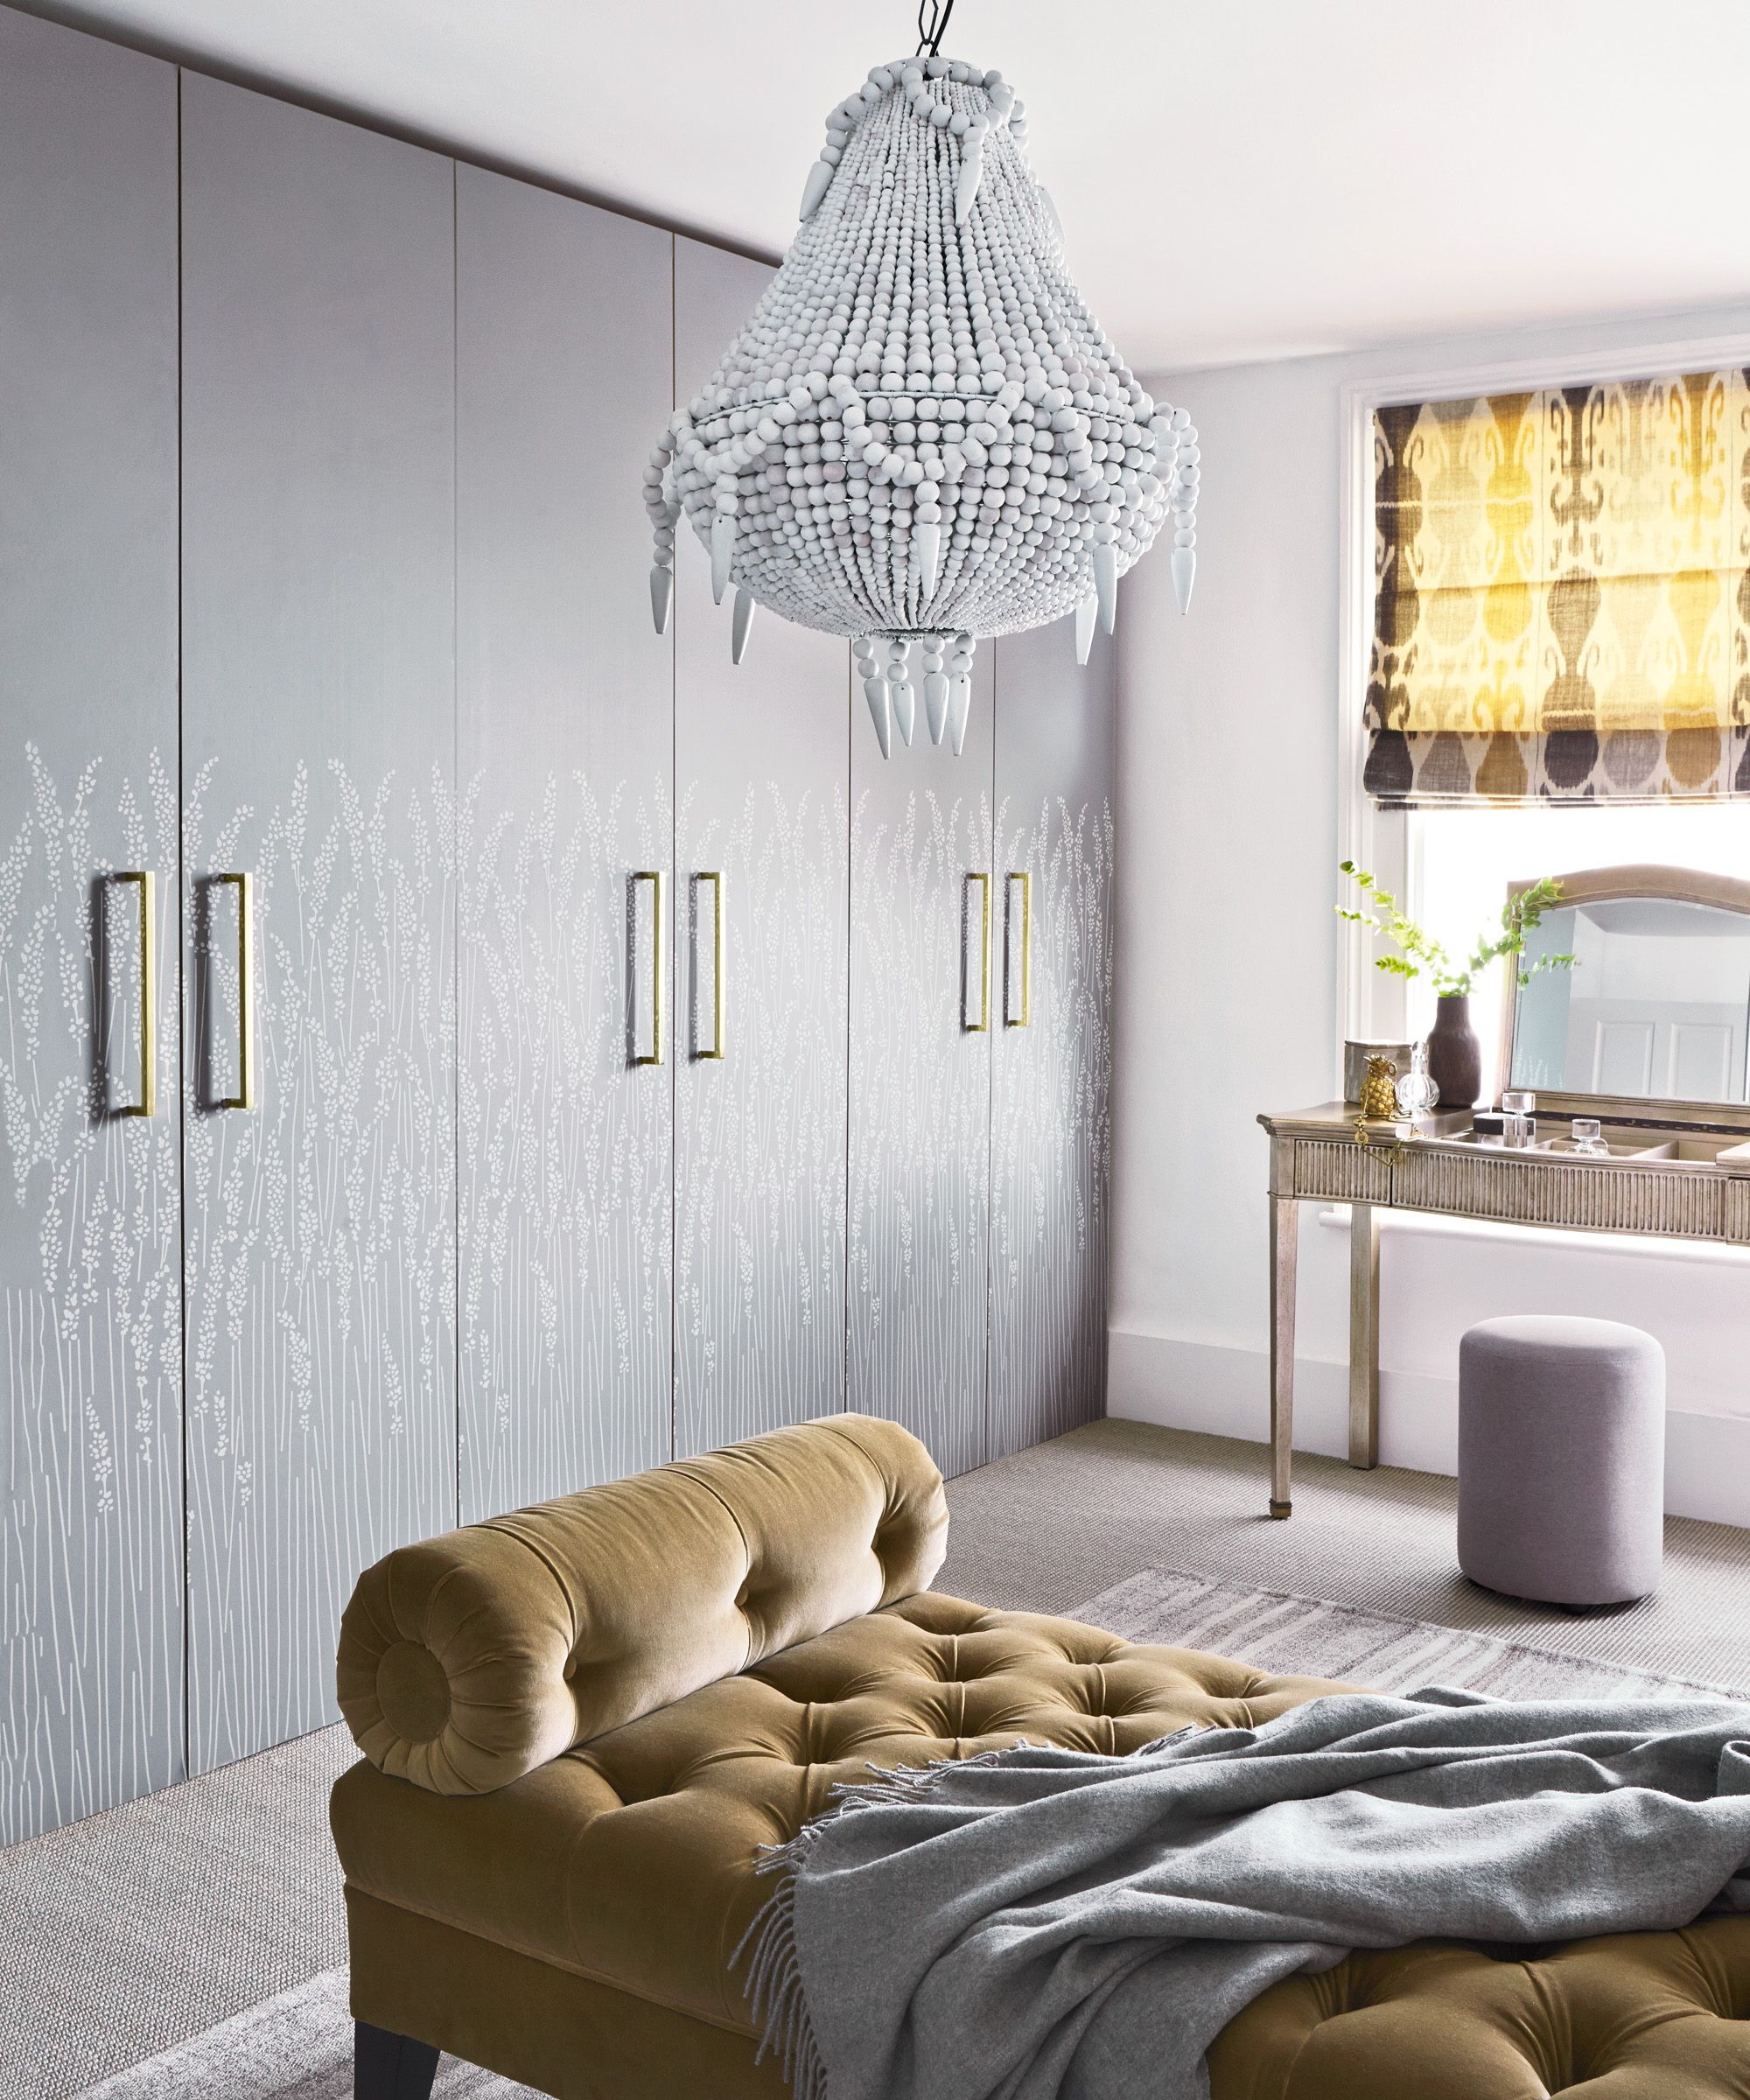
column 149, row 950
column 983, row 1023
column 653, row 876
column 1027, row 883
column 716, row 881
column 245, row 1096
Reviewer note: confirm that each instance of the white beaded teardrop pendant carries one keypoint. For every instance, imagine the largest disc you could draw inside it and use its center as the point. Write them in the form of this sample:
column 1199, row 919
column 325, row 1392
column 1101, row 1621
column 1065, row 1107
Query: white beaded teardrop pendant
column 905, row 709
column 901, row 696
column 927, row 540
column 959, row 707
column 743, row 621
column 874, row 679
column 935, row 690
column 1106, row 585
column 875, row 691
column 723, row 550
column 814, row 189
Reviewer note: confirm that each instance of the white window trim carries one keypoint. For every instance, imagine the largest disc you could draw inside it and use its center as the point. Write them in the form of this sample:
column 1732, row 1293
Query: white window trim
column 1367, row 1004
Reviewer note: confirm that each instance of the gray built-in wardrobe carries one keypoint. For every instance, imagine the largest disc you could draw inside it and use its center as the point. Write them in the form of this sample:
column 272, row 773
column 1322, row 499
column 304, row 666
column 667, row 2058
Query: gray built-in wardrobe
column 323, row 564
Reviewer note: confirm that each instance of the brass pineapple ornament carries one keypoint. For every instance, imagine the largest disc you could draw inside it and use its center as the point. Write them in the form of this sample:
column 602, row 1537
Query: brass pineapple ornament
column 1379, row 1090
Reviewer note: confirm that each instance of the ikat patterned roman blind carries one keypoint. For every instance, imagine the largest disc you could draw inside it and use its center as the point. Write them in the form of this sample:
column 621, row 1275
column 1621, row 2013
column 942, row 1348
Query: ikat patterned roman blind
column 1562, row 595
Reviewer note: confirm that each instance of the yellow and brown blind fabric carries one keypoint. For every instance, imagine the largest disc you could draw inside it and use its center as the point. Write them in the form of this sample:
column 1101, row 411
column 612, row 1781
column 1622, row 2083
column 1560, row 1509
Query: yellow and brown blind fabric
column 1562, row 595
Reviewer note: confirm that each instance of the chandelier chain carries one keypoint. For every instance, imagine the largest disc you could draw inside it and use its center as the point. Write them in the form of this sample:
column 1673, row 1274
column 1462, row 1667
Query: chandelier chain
column 932, row 25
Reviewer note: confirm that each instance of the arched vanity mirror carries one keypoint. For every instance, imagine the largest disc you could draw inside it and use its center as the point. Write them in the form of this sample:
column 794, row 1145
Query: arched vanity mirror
column 1652, row 1021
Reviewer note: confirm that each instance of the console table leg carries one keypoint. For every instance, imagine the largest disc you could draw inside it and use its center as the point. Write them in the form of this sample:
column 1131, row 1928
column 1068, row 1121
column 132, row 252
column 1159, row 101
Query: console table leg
column 1285, row 1236
column 1363, row 1335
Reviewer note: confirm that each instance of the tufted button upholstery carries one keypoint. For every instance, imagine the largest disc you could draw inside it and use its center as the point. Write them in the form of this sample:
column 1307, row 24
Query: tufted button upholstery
column 630, row 1858
column 1635, row 2016
column 471, row 1659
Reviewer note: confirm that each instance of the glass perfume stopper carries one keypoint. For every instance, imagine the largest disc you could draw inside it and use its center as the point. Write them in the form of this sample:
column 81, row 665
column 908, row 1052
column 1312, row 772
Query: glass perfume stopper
column 1588, row 1135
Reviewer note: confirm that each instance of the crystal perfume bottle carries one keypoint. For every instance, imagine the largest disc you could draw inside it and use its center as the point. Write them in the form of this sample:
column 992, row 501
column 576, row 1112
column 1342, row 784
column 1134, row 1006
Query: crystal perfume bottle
column 1417, row 1092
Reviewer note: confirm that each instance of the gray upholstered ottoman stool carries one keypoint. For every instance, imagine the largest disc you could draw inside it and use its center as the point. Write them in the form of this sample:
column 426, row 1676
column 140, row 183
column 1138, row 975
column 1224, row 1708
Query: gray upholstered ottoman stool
column 1561, row 1459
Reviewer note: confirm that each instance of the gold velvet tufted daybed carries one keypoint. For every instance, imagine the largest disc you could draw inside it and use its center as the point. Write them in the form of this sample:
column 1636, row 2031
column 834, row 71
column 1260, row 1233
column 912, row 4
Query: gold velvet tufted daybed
column 582, row 1722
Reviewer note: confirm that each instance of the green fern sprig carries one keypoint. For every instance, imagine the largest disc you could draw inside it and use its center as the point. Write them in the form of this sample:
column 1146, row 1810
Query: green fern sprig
column 1418, row 950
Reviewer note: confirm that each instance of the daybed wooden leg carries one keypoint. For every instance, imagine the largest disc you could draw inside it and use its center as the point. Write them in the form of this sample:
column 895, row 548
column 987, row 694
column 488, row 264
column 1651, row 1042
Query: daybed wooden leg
column 389, row 2066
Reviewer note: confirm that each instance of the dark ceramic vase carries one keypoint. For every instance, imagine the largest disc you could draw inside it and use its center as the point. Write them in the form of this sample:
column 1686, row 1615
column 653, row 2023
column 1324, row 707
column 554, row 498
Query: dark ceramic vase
column 1454, row 1054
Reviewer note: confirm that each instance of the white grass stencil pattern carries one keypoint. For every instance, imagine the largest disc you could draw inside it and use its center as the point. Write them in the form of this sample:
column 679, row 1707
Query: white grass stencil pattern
column 90, row 1369
column 450, row 1170
column 918, row 1206
column 1052, row 1132
column 761, row 1134
column 320, row 1347
column 564, row 1190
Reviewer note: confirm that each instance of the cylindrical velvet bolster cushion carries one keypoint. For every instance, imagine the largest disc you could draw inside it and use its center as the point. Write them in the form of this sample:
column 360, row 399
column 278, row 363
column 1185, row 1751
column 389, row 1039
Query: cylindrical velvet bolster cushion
column 470, row 1659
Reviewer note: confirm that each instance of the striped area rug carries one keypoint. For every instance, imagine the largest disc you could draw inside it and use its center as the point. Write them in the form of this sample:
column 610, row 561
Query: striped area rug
column 1304, row 1636
column 297, row 2046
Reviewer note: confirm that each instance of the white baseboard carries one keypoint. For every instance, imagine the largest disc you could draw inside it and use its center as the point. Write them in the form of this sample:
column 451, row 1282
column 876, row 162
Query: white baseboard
column 1707, row 1467
column 1225, row 1392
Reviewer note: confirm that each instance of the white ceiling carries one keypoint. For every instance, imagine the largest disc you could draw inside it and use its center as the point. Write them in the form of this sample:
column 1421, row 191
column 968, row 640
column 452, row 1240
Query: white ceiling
column 1235, row 181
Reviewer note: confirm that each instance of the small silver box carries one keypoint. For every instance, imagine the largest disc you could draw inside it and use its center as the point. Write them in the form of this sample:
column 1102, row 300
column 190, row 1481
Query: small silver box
column 1355, row 1056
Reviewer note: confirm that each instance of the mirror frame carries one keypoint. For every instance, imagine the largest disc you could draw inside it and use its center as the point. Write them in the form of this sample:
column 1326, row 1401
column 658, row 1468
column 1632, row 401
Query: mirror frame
column 1602, row 885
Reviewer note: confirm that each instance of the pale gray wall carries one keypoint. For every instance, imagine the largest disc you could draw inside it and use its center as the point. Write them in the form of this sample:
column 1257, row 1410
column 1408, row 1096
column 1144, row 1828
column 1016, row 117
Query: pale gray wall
column 1228, row 975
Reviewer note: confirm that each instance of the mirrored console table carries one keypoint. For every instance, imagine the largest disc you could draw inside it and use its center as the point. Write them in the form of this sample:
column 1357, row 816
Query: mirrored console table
column 1676, row 1174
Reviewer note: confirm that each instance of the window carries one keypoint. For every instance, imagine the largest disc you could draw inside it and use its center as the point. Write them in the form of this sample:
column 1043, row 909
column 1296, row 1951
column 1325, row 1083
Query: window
column 1549, row 608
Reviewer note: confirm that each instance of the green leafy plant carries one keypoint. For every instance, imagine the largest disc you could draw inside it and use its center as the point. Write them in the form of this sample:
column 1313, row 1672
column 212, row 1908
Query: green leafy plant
column 1418, row 950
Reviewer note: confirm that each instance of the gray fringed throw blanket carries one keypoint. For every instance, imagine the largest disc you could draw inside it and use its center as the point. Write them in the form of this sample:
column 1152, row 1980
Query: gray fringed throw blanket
column 1038, row 1923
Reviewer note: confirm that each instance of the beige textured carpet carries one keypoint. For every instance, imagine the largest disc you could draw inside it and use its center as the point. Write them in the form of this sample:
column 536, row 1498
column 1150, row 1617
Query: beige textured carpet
column 132, row 1930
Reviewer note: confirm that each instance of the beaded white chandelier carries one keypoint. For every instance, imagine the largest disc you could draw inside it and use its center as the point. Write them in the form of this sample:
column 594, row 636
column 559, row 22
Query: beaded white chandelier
column 921, row 434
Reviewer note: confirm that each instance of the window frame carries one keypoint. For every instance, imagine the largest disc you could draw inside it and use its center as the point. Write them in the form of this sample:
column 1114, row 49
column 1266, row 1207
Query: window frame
column 1368, row 1003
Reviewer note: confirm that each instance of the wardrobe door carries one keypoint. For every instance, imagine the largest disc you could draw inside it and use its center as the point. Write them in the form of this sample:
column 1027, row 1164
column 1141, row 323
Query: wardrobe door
column 761, row 879
column 922, row 1016
column 90, row 1235
column 1052, row 1048
column 566, row 729
column 319, row 742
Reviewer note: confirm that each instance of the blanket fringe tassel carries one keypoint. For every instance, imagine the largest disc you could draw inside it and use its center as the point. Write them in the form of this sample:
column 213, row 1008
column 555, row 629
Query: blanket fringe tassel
column 774, row 1979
